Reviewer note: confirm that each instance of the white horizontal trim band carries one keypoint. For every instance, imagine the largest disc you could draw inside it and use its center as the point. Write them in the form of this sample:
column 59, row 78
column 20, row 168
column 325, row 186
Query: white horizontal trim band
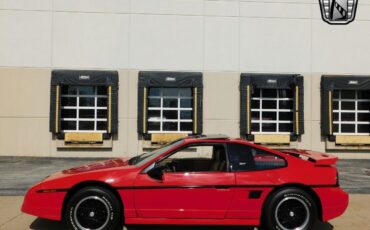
column 170, row 109
column 272, row 110
column 272, row 99
column 85, row 96
column 83, row 107
column 169, row 120
column 84, row 119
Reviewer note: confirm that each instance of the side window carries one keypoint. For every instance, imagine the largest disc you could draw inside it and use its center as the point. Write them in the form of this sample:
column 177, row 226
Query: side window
column 245, row 158
column 202, row 158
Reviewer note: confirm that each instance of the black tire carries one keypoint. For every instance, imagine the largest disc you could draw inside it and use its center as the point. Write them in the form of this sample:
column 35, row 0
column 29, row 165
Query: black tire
column 93, row 208
column 289, row 208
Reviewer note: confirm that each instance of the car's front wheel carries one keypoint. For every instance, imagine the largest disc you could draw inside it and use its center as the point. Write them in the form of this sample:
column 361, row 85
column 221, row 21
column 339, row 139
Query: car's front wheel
column 289, row 209
column 93, row 208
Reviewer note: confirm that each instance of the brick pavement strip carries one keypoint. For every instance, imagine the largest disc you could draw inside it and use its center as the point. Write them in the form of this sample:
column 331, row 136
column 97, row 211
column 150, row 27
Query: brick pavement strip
column 11, row 218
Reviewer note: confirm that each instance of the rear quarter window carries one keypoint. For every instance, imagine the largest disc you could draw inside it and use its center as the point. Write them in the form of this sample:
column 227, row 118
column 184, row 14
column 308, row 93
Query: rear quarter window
column 245, row 158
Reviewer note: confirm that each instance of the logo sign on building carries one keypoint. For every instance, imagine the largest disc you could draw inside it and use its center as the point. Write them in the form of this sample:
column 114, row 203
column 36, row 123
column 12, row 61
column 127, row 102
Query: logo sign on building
column 271, row 81
column 84, row 77
column 352, row 82
column 338, row 12
column 170, row 79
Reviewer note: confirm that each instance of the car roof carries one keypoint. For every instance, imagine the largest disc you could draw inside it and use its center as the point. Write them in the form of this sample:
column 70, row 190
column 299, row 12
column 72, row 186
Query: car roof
column 210, row 137
column 213, row 137
column 220, row 138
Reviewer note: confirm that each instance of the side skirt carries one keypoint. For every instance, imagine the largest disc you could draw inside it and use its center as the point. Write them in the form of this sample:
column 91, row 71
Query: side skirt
column 163, row 221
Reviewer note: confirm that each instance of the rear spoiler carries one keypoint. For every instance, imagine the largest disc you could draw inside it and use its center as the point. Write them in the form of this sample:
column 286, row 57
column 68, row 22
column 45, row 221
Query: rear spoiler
column 320, row 159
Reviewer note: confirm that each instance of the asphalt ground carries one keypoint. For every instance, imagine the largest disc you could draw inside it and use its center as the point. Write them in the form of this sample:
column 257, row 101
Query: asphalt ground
column 17, row 174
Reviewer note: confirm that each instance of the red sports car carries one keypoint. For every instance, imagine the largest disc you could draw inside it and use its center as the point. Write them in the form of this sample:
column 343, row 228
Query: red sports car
column 200, row 180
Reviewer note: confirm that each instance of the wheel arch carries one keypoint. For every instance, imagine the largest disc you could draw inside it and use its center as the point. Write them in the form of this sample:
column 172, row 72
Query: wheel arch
column 303, row 187
column 86, row 184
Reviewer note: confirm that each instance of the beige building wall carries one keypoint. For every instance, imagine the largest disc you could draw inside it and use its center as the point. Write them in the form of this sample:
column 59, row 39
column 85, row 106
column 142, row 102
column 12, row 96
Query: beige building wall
column 220, row 38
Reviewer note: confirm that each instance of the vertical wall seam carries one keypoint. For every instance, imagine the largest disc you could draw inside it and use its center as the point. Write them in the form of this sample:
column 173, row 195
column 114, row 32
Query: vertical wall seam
column 52, row 35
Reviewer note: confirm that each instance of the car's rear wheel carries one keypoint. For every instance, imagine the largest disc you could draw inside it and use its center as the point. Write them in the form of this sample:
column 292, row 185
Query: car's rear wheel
column 289, row 209
column 93, row 208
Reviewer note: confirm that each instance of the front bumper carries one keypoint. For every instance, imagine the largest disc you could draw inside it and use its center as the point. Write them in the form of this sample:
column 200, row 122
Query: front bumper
column 48, row 205
column 334, row 202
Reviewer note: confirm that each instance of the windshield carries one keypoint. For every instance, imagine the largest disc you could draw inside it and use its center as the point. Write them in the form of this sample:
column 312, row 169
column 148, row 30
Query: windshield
column 146, row 157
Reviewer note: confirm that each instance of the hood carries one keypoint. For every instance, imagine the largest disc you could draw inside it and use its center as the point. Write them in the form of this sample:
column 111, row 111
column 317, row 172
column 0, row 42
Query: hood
column 108, row 164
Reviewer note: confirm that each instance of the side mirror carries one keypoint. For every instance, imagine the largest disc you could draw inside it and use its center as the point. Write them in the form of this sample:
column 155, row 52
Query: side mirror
column 157, row 172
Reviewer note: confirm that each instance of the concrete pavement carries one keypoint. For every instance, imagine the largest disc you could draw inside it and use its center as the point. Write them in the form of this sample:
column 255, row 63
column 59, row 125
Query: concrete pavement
column 355, row 218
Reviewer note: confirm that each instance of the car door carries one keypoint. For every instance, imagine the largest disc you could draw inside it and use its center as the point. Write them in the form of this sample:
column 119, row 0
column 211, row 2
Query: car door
column 256, row 174
column 195, row 185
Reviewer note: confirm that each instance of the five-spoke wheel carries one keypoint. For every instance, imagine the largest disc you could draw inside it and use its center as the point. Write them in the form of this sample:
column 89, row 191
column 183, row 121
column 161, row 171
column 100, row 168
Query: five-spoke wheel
column 93, row 208
column 289, row 209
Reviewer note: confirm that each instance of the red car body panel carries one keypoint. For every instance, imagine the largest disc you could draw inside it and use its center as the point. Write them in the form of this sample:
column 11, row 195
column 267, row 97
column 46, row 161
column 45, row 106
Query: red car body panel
column 44, row 205
column 333, row 200
column 167, row 221
column 200, row 198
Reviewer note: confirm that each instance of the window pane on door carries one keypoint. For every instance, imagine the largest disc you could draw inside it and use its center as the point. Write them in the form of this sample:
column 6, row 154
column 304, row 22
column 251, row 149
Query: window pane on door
column 69, row 101
column 186, row 126
column 68, row 125
column 86, row 90
column 170, row 110
column 186, row 115
column 268, row 127
column 87, row 101
column 170, row 103
column 87, row 113
column 272, row 111
column 84, row 109
column 170, row 114
column 69, row 113
column 154, row 126
column 170, row 126
column 102, row 90
column 102, row 102
column 351, row 112
column 102, row 125
column 86, row 125
column 186, row 103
